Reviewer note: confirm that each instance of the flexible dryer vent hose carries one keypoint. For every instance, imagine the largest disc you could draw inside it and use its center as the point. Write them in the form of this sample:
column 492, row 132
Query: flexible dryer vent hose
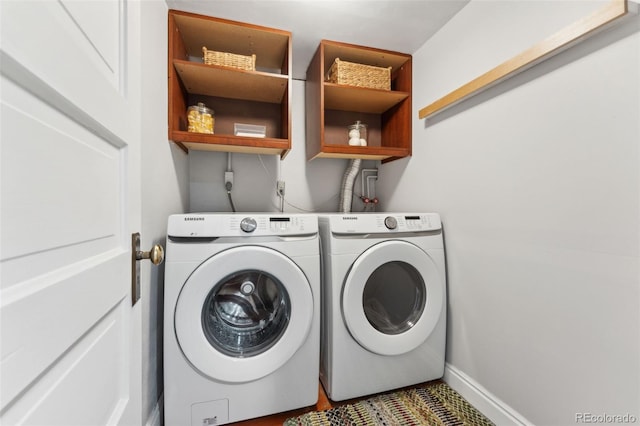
column 348, row 180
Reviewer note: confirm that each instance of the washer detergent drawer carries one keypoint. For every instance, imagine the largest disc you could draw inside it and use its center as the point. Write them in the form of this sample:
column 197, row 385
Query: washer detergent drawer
column 392, row 297
column 243, row 313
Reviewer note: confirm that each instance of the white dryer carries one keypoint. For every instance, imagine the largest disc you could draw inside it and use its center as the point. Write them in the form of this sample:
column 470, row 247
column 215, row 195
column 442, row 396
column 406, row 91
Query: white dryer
column 383, row 302
column 241, row 316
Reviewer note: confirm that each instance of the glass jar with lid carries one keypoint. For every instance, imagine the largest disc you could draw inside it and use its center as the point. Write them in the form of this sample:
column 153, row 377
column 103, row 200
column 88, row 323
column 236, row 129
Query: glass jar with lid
column 201, row 119
column 358, row 134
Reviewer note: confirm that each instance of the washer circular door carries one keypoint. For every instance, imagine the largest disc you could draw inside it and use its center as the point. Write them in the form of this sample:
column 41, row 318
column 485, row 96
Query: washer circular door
column 243, row 313
column 392, row 298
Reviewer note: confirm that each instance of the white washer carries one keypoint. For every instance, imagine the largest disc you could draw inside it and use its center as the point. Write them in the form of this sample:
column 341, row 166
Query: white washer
column 241, row 316
column 383, row 302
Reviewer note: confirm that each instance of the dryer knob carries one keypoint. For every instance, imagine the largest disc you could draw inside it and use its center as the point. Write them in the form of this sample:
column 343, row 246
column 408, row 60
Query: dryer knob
column 248, row 224
column 390, row 222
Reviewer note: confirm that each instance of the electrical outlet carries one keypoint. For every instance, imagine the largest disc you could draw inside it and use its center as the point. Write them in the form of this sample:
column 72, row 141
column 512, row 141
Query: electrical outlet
column 228, row 180
column 280, row 188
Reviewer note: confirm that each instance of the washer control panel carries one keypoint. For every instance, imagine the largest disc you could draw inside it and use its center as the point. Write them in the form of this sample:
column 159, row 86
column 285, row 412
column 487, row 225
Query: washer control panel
column 213, row 225
column 375, row 223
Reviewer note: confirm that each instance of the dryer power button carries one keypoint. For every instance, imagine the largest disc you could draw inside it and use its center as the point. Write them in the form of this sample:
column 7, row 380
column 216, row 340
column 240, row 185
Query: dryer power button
column 248, row 224
column 390, row 222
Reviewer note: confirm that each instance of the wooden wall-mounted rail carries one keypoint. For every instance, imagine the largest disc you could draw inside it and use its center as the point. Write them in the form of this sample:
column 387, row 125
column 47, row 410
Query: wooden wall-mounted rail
column 558, row 42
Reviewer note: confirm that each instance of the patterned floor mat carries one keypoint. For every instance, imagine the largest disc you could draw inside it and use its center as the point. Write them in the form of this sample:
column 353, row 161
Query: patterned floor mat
column 432, row 404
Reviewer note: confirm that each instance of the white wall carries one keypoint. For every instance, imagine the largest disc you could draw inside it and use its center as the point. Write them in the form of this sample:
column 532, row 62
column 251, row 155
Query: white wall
column 538, row 185
column 164, row 192
column 309, row 186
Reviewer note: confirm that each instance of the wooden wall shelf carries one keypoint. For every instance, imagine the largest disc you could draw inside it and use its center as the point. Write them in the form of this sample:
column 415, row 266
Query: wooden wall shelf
column 229, row 143
column 225, row 82
column 547, row 48
column 344, row 98
column 260, row 97
column 331, row 107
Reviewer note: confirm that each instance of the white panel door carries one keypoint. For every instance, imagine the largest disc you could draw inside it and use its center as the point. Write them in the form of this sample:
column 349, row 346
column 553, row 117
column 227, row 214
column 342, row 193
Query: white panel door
column 69, row 201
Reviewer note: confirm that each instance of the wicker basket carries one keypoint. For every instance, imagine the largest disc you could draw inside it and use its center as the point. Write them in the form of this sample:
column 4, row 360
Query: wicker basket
column 212, row 57
column 352, row 74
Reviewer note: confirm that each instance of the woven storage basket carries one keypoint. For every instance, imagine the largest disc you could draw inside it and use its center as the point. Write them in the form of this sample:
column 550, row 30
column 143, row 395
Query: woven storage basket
column 212, row 57
column 352, row 74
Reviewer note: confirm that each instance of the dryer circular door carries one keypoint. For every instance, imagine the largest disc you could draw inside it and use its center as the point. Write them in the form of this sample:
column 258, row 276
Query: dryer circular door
column 392, row 297
column 243, row 313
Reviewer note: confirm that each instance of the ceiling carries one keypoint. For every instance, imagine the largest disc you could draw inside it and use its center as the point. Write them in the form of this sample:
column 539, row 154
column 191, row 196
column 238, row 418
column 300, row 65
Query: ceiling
column 399, row 25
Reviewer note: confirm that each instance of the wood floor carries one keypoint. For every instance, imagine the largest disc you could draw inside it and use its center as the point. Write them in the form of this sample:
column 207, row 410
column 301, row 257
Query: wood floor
column 277, row 419
column 324, row 403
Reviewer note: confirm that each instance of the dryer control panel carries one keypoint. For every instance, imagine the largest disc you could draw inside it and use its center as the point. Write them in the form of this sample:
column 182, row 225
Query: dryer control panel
column 214, row 225
column 375, row 223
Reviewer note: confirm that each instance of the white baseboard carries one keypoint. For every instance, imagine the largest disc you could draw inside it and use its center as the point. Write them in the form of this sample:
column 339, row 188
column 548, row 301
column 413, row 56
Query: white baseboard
column 157, row 415
column 495, row 409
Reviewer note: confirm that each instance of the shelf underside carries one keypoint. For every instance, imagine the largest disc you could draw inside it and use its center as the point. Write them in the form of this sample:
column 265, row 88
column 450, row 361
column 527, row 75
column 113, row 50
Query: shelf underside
column 229, row 143
column 212, row 80
column 349, row 98
column 364, row 152
column 270, row 46
column 362, row 55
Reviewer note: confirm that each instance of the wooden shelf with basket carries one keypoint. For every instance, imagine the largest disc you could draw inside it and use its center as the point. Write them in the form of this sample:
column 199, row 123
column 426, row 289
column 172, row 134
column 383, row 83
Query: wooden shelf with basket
column 348, row 83
column 240, row 71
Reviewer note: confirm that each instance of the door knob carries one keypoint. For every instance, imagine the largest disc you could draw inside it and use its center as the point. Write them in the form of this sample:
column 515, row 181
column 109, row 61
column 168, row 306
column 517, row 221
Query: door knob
column 155, row 255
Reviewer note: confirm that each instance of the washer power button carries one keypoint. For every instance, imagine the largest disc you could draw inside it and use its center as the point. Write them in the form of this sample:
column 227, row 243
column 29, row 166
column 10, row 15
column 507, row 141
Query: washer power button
column 390, row 222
